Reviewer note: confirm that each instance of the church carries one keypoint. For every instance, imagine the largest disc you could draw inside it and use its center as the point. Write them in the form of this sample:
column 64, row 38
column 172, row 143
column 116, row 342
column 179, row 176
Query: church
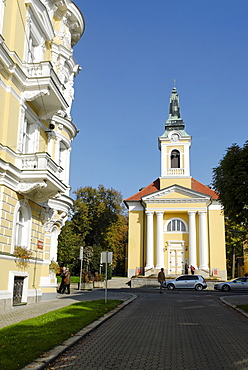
column 176, row 221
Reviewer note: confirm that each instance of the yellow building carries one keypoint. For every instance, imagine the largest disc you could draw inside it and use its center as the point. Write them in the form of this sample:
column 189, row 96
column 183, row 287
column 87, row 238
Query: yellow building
column 176, row 220
column 37, row 71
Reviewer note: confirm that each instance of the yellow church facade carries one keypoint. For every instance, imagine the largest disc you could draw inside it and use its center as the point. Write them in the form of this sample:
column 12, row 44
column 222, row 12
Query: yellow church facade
column 176, row 221
column 37, row 72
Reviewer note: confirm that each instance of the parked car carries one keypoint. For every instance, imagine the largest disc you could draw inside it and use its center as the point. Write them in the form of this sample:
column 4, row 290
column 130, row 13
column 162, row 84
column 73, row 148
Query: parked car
column 240, row 283
column 196, row 282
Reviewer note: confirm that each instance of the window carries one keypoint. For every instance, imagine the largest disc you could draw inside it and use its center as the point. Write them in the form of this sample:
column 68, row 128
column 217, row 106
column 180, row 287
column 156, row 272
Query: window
column 22, row 225
column 176, row 225
column 29, row 137
column 175, row 159
column 2, row 5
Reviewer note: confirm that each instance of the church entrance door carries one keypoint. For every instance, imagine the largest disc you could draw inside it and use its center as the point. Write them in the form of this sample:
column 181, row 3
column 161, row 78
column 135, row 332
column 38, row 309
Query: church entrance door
column 176, row 259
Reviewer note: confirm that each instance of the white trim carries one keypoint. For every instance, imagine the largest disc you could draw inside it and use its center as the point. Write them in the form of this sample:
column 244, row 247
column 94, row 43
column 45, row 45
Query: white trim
column 2, row 5
column 26, row 207
column 173, row 210
column 176, row 232
column 215, row 207
column 192, row 194
column 179, row 246
column 10, row 89
column 12, row 275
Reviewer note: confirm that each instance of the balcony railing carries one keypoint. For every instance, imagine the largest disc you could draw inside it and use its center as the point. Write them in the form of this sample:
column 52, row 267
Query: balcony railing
column 39, row 161
column 175, row 171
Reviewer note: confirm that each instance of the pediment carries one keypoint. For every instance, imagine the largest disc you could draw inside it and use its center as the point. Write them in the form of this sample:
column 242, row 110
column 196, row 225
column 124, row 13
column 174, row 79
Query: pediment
column 176, row 194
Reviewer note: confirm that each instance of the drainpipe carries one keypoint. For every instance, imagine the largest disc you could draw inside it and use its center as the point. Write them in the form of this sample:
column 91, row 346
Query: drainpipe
column 209, row 254
column 34, row 278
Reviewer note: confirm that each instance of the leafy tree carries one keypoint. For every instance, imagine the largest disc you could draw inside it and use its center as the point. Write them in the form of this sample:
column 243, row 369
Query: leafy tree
column 95, row 210
column 98, row 224
column 69, row 243
column 230, row 180
column 234, row 244
column 117, row 237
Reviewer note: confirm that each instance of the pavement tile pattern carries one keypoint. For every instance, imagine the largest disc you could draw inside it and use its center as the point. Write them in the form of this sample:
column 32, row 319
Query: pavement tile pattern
column 176, row 330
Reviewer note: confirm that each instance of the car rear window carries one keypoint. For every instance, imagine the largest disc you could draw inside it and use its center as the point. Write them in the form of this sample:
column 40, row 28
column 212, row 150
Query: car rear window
column 192, row 277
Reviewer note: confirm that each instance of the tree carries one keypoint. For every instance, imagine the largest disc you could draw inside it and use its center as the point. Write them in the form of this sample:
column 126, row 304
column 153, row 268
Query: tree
column 235, row 234
column 69, row 243
column 117, row 237
column 95, row 210
column 98, row 224
column 230, row 180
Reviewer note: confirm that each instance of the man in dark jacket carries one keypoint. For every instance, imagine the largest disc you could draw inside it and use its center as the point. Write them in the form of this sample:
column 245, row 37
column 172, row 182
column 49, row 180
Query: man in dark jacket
column 161, row 279
column 67, row 281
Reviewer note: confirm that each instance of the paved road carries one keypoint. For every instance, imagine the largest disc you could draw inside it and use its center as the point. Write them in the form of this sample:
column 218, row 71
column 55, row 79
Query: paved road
column 175, row 330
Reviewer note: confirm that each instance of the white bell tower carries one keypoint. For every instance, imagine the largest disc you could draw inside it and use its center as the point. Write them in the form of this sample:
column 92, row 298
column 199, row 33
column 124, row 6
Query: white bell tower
column 174, row 144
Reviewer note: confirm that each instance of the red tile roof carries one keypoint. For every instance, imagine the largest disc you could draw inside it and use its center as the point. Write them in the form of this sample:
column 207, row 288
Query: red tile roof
column 152, row 188
column 155, row 186
column 198, row 186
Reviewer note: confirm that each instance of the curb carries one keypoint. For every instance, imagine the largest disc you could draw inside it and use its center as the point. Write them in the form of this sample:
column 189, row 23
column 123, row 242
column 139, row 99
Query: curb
column 234, row 306
column 50, row 356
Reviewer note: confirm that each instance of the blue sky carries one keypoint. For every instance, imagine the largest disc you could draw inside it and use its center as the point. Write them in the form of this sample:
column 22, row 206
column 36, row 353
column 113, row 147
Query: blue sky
column 130, row 53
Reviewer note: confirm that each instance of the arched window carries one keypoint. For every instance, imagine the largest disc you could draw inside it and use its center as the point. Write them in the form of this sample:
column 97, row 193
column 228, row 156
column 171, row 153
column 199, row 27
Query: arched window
column 22, row 225
column 54, row 243
column 175, row 159
column 176, row 225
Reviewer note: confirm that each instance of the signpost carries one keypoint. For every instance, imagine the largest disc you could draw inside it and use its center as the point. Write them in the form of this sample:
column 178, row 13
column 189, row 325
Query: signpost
column 81, row 265
column 106, row 257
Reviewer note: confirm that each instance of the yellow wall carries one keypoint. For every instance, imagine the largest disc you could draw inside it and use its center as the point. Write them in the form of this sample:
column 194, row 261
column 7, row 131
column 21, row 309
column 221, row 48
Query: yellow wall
column 13, row 29
column 135, row 240
column 217, row 240
column 166, row 182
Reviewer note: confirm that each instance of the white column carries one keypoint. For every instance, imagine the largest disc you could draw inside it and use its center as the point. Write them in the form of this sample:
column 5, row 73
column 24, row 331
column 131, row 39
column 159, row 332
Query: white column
column 203, row 240
column 160, row 240
column 149, row 240
column 57, row 151
column 192, row 239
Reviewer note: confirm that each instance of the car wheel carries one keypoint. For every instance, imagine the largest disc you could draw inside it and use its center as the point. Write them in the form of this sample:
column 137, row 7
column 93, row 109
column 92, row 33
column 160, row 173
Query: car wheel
column 225, row 288
column 198, row 287
column 170, row 287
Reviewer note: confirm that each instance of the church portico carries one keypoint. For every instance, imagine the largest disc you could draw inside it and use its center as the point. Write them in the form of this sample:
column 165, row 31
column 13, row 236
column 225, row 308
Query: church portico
column 173, row 241
column 176, row 220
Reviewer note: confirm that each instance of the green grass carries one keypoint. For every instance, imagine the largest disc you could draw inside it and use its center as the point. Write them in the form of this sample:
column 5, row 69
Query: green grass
column 21, row 343
column 243, row 307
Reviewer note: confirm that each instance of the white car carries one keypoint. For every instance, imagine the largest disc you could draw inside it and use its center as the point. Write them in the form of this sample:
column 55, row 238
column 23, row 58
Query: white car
column 240, row 283
column 196, row 282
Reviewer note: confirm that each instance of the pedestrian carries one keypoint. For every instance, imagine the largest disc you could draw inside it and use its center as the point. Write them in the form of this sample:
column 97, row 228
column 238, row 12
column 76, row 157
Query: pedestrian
column 62, row 275
column 192, row 269
column 161, row 279
column 67, row 281
column 186, row 268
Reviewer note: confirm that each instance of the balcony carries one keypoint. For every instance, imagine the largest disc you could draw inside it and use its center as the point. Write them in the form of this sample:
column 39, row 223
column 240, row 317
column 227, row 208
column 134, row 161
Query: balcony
column 40, row 176
column 43, row 88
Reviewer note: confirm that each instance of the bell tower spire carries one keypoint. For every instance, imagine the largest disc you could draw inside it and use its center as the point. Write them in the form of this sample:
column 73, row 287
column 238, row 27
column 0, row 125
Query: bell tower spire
column 174, row 121
column 174, row 145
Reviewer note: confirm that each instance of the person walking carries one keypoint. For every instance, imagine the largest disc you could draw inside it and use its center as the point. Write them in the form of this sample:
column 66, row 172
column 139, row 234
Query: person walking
column 192, row 269
column 67, row 281
column 62, row 275
column 186, row 268
column 161, row 279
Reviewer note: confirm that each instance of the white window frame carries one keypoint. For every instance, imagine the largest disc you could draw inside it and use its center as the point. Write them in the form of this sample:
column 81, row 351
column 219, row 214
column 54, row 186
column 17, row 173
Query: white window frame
column 176, row 219
column 2, row 6
column 22, row 230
